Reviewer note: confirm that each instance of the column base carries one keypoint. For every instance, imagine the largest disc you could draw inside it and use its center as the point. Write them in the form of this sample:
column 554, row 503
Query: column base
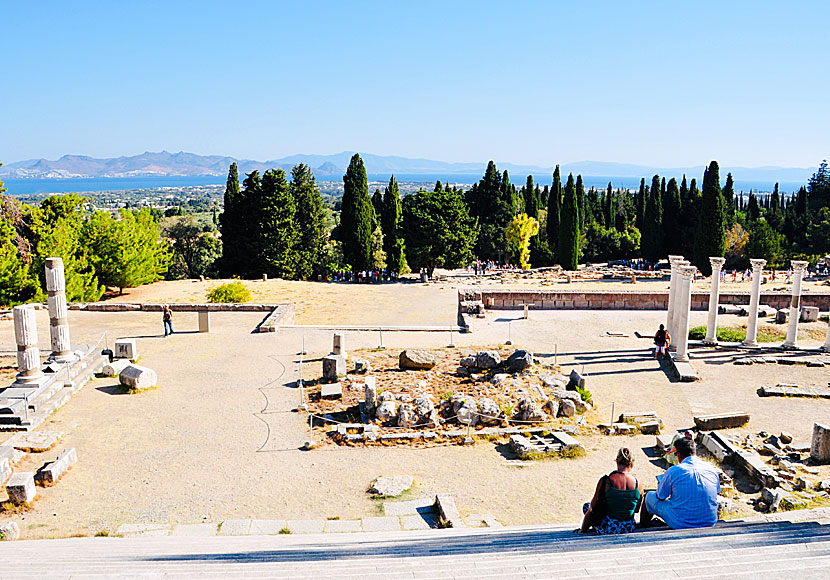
column 30, row 381
column 710, row 341
column 681, row 358
column 753, row 344
column 64, row 358
column 790, row 346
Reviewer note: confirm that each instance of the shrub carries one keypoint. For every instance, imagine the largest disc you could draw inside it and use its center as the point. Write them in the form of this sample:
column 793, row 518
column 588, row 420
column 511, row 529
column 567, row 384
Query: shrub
column 585, row 394
column 737, row 334
column 231, row 292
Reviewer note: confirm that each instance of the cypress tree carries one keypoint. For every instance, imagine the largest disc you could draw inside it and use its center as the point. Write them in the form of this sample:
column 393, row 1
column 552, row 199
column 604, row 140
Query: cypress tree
column 610, row 207
column 543, row 198
column 531, row 199
column 819, row 187
column 393, row 243
column 775, row 201
column 753, row 212
column 672, row 216
column 377, row 206
column 621, row 218
column 652, row 234
column 581, row 201
column 711, row 231
column 554, row 208
column 438, row 186
column 729, row 202
column 641, row 205
column 311, row 221
column 356, row 218
column 277, row 228
column 231, row 224
column 569, row 227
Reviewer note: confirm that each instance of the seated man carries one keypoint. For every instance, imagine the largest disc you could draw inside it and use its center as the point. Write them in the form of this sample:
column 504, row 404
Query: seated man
column 687, row 495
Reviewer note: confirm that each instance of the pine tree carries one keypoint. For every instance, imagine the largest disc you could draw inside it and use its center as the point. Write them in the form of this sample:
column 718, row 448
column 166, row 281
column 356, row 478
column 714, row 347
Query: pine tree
column 652, row 240
column 393, row 243
column 311, row 222
column 672, row 219
column 357, row 217
column 554, row 208
column 277, row 234
column 569, row 227
column 711, row 227
column 819, row 187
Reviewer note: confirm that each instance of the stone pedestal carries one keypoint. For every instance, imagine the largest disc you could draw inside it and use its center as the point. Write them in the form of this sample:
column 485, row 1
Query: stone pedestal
column 204, row 321
column 58, row 322
column 712, row 323
column 754, row 301
column 333, row 366
column 799, row 268
column 673, row 261
column 126, row 348
column 28, row 354
column 687, row 274
column 820, row 448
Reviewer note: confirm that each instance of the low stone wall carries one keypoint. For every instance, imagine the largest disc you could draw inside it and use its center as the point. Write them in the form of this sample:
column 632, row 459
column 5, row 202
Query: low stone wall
column 622, row 300
column 157, row 307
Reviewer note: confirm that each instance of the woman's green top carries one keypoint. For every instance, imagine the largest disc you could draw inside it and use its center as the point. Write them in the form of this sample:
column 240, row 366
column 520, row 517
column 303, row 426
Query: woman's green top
column 622, row 503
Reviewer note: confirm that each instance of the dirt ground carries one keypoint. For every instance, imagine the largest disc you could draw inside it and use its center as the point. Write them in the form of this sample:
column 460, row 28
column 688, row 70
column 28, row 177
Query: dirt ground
column 219, row 440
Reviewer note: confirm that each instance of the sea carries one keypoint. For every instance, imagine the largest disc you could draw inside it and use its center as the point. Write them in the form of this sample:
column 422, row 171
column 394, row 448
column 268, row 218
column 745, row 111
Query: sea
column 85, row 185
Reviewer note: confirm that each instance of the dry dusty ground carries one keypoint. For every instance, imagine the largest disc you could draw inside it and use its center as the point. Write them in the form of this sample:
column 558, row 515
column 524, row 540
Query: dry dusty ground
column 218, row 439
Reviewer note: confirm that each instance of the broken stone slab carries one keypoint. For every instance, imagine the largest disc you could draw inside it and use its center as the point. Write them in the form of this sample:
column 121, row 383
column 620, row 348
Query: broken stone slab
column 370, row 395
column 35, row 441
column 772, row 497
column 567, row 408
column 639, row 417
column 650, row 428
column 339, row 345
column 663, row 442
column 53, row 471
column 114, row 368
column 5, row 470
column 126, row 348
column 721, row 420
column 729, row 309
column 138, row 378
column 21, row 487
column 387, row 411
column 391, row 486
column 448, row 513
column 782, row 315
column 361, row 366
column 416, row 359
column 334, row 366
column 755, row 466
column 331, row 391
column 490, row 413
column 767, row 311
column 624, row 428
column 716, row 444
column 820, row 447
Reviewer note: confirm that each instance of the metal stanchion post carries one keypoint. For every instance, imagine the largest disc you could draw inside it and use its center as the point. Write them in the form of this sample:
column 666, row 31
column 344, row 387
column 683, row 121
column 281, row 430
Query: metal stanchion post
column 451, row 345
column 509, row 341
column 310, row 443
column 380, row 346
column 555, row 355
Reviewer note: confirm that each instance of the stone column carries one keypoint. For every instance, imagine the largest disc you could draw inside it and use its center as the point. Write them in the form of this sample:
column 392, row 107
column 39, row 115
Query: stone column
column 820, row 447
column 679, row 264
column 826, row 347
column 712, row 324
column 58, row 323
column 684, row 305
column 28, row 354
column 754, row 301
column 673, row 260
column 799, row 268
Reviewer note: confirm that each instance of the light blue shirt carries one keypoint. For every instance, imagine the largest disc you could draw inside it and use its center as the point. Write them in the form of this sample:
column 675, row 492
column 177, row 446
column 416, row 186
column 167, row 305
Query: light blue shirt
column 690, row 490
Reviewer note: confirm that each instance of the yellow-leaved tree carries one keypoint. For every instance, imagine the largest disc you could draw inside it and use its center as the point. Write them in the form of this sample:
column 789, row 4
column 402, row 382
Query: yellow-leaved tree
column 519, row 232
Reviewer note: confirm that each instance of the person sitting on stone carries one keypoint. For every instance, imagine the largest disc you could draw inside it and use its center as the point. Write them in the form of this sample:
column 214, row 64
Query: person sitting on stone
column 662, row 341
column 687, row 494
column 616, row 500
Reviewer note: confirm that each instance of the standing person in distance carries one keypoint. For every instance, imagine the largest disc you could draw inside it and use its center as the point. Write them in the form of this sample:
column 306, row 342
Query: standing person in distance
column 167, row 317
column 662, row 341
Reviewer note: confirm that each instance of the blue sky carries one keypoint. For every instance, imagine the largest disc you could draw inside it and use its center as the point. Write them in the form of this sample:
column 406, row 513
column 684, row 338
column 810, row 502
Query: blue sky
column 654, row 83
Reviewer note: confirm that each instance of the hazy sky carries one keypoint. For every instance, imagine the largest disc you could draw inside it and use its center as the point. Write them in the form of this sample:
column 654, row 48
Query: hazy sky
column 656, row 83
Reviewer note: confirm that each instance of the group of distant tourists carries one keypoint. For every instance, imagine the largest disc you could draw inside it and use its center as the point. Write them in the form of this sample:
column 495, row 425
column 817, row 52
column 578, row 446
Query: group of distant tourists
column 686, row 495
column 363, row 276
column 480, row 267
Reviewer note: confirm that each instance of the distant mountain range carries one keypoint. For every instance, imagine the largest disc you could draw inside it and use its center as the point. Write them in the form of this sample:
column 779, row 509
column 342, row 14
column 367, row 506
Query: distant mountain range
column 327, row 167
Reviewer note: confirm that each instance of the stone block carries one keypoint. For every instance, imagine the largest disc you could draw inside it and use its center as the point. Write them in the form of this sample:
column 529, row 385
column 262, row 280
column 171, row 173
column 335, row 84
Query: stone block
column 820, row 448
column 650, row 428
column 204, row 321
column 331, row 390
column 339, row 344
column 235, row 528
column 53, row 471
column 576, row 380
column 35, row 441
column 138, row 378
column 361, row 366
column 663, row 442
column 334, row 366
column 305, row 526
column 5, row 470
column 721, row 420
column 21, row 487
column 114, row 368
column 9, row 531
column 126, row 348
column 447, row 512
column 808, row 313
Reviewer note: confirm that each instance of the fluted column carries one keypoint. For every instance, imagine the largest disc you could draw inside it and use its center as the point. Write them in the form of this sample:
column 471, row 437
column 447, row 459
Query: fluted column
column 799, row 268
column 676, row 308
column 687, row 274
column 826, row 347
column 754, row 301
column 28, row 354
column 714, row 293
column 58, row 322
column 673, row 260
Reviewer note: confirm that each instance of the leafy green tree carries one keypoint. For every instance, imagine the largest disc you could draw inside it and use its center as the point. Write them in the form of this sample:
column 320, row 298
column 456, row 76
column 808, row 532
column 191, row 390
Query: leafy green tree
column 310, row 222
column 277, row 236
column 438, row 230
column 393, row 243
column 357, row 217
column 492, row 203
column 554, row 208
column 818, row 233
column 569, row 228
column 710, row 234
column 652, row 232
column 16, row 286
column 63, row 239
column 378, row 255
column 819, row 187
column 521, row 229
column 194, row 251
column 766, row 243
column 672, row 219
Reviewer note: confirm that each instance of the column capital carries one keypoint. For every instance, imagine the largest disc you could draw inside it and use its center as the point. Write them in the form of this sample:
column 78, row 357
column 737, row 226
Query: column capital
column 798, row 265
column 673, row 259
column 757, row 263
column 688, row 272
column 717, row 263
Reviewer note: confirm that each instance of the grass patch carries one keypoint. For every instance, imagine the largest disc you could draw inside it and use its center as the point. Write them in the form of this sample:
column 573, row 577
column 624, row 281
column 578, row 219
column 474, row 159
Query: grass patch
column 333, row 518
column 102, row 534
column 731, row 334
column 9, row 508
column 285, row 530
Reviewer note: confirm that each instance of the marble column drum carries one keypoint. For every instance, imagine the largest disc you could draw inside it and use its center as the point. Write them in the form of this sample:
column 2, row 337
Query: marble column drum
column 799, row 268
column 673, row 260
column 712, row 322
column 754, row 302
column 58, row 322
column 28, row 354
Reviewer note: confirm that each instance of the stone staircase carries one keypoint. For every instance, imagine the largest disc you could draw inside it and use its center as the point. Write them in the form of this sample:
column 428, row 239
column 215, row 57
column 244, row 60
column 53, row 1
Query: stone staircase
column 743, row 549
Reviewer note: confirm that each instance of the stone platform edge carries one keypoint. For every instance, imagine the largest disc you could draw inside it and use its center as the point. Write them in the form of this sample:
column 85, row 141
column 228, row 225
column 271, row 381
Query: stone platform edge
column 175, row 307
column 621, row 299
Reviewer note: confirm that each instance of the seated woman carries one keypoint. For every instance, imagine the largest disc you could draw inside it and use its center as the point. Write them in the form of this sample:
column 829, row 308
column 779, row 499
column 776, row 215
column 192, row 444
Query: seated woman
column 616, row 500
